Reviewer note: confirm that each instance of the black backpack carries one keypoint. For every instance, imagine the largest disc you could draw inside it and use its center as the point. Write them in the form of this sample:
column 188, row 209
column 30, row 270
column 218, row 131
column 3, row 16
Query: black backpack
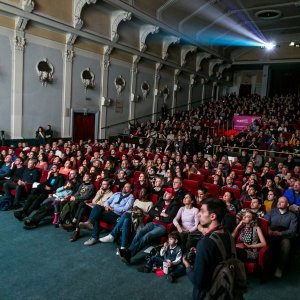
column 229, row 280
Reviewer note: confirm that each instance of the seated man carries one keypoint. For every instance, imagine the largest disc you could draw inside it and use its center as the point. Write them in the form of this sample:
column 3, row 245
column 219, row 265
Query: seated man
column 84, row 208
column 113, row 208
column 29, row 175
column 283, row 227
column 180, row 192
column 5, row 168
column 162, row 213
column 39, row 194
column 293, row 196
column 255, row 206
column 49, row 206
column 69, row 212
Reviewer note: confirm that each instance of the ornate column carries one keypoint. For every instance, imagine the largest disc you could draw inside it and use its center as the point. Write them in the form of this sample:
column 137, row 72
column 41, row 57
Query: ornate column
column 174, row 91
column 203, row 90
column 18, row 46
column 133, row 80
column 191, row 84
column 217, row 92
column 158, row 67
column 104, row 91
column 68, row 56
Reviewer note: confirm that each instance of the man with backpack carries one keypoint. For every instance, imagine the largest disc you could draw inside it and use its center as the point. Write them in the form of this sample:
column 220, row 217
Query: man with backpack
column 216, row 273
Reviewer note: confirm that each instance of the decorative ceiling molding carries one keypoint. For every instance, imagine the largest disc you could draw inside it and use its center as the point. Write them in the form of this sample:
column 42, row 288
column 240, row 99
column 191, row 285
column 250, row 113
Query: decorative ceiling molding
column 184, row 52
column 144, row 32
column 21, row 23
column 116, row 18
column 212, row 63
column 199, row 58
column 28, row 5
column 167, row 41
column 77, row 9
column 223, row 67
column 71, row 38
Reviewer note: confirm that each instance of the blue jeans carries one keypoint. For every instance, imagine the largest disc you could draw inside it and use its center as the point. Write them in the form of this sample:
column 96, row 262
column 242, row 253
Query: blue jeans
column 124, row 224
column 144, row 236
column 98, row 214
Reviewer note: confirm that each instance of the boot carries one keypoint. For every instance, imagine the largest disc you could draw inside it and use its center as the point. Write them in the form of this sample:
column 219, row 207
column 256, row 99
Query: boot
column 55, row 220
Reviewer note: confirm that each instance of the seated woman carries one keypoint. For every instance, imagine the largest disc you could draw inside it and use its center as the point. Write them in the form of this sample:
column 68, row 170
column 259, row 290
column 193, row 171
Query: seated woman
column 65, row 170
column 271, row 201
column 201, row 195
column 42, row 161
column 249, row 237
column 141, row 183
column 186, row 221
column 124, row 224
column 228, row 198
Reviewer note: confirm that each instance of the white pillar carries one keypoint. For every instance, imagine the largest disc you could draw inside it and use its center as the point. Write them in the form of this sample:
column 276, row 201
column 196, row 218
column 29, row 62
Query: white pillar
column 18, row 46
column 67, row 92
column 174, row 92
column 104, row 91
column 133, row 80
column 217, row 92
column 158, row 66
column 191, row 85
column 203, row 90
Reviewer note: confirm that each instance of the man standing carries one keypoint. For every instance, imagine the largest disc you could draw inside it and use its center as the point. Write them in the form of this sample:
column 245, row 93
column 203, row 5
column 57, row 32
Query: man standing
column 208, row 256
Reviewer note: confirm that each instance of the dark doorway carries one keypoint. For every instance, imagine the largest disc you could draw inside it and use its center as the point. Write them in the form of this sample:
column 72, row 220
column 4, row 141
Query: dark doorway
column 84, row 127
column 245, row 90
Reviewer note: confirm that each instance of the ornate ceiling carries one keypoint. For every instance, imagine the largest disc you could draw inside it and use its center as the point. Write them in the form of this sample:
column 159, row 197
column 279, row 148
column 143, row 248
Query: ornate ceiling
column 190, row 35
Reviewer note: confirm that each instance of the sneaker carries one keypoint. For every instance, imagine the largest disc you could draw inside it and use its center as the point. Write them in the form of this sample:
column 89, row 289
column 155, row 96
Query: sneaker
column 28, row 224
column 75, row 236
column 91, row 241
column 107, row 239
column 125, row 256
column 171, row 278
column 19, row 214
column 144, row 269
column 86, row 225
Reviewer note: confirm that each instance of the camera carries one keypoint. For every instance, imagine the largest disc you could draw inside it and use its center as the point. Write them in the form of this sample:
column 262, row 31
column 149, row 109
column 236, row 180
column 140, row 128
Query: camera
column 190, row 257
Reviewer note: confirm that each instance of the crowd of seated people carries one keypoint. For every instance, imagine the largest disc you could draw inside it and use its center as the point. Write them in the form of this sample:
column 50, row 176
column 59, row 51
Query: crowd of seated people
column 144, row 189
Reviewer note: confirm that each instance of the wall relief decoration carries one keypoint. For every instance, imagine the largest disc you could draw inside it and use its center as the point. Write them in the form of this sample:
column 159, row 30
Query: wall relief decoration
column 45, row 71
column 145, row 88
column 88, row 79
column 120, row 84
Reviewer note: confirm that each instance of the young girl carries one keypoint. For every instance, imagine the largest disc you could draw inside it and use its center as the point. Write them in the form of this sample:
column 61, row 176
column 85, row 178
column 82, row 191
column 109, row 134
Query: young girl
column 249, row 237
column 61, row 194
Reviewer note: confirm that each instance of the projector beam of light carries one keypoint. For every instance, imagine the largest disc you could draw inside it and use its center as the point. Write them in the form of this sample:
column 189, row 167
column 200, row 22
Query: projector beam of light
column 228, row 40
column 250, row 36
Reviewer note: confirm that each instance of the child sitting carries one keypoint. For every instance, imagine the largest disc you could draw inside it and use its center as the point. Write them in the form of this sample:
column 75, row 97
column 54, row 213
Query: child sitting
column 61, row 194
column 170, row 254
